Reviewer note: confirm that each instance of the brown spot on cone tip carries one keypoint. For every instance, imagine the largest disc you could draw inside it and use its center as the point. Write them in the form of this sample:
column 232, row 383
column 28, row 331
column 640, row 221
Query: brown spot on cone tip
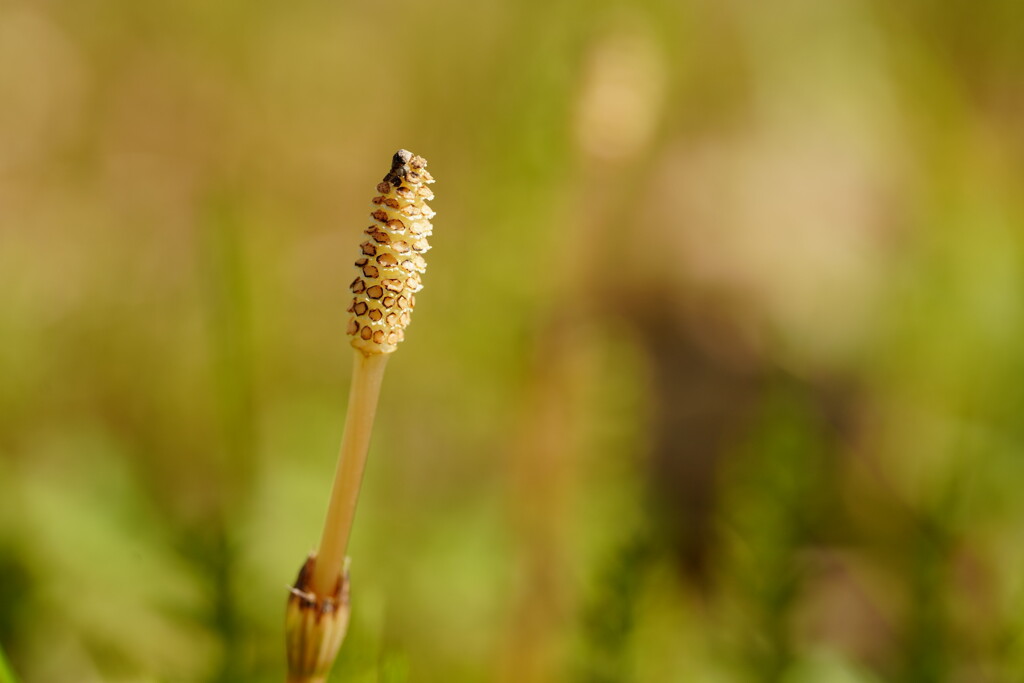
column 399, row 167
column 402, row 165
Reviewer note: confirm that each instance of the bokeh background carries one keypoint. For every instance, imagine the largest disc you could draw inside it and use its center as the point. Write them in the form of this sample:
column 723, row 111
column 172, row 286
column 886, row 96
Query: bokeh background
column 718, row 374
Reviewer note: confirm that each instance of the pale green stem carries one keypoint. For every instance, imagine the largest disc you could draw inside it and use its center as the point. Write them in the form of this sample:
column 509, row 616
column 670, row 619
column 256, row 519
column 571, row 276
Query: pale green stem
column 367, row 374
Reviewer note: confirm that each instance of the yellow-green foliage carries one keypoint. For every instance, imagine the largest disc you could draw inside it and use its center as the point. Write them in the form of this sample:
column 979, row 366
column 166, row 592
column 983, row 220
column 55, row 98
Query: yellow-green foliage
column 718, row 375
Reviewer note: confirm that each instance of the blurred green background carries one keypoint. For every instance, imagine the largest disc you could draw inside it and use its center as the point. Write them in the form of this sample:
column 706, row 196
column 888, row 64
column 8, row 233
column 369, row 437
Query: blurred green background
column 717, row 375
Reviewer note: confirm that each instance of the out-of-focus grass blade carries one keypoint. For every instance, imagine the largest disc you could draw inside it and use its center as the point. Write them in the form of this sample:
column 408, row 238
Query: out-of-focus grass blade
column 6, row 675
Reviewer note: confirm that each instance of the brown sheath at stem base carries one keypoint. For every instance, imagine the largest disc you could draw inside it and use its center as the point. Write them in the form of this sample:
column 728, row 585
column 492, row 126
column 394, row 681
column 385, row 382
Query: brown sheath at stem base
column 315, row 626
